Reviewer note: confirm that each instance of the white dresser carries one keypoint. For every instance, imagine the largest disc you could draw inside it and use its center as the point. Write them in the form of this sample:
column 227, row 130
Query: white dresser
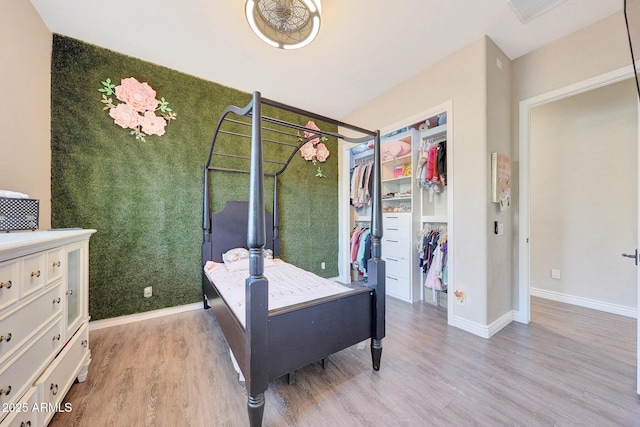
column 44, row 315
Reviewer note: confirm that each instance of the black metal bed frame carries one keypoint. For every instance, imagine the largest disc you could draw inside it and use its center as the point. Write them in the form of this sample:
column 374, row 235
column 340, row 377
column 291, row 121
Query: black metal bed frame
column 257, row 344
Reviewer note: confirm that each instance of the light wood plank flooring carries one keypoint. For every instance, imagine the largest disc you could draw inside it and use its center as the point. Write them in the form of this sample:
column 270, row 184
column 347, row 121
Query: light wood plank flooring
column 570, row 367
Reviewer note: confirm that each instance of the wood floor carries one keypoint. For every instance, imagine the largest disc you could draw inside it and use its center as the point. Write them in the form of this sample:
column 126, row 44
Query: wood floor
column 570, row 367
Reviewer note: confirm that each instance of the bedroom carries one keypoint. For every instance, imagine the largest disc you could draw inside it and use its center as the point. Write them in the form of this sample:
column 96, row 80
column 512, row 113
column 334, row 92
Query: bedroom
column 488, row 281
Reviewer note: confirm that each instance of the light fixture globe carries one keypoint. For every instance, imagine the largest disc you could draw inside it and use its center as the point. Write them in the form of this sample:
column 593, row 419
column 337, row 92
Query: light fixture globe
column 286, row 24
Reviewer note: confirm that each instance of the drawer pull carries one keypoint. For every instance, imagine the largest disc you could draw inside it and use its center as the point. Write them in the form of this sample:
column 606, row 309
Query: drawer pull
column 69, row 292
column 394, row 229
column 84, row 343
column 392, row 278
column 5, row 338
column 35, row 274
column 392, row 259
column 394, row 241
column 6, row 284
column 5, row 391
column 53, row 389
column 56, row 300
column 27, row 424
column 56, row 337
column 56, row 264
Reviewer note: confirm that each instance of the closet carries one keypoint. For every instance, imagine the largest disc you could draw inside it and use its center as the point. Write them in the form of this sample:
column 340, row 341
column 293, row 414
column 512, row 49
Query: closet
column 416, row 186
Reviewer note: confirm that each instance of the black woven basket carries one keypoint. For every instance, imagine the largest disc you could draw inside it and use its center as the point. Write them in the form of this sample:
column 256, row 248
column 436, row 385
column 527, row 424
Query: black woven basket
column 18, row 214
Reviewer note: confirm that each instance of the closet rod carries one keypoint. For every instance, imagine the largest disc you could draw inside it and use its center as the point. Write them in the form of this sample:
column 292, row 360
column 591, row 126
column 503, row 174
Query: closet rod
column 435, row 139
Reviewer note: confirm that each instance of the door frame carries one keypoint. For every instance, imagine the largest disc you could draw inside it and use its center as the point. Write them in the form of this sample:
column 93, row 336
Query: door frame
column 523, row 314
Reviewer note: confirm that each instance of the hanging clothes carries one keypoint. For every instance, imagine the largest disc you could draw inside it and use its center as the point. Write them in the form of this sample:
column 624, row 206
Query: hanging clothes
column 431, row 168
column 360, row 185
column 433, row 250
column 360, row 249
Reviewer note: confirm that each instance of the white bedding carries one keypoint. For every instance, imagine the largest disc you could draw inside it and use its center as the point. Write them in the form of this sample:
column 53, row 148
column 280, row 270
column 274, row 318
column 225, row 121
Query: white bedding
column 288, row 285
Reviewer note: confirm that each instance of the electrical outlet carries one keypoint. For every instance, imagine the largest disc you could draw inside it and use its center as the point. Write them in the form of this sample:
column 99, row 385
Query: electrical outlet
column 555, row 274
column 322, row 265
column 148, row 292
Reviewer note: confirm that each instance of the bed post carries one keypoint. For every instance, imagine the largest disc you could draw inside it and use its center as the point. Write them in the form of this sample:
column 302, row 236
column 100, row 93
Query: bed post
column 257, row 286
column 276, row 220
column 376, row 266
column 206, row 232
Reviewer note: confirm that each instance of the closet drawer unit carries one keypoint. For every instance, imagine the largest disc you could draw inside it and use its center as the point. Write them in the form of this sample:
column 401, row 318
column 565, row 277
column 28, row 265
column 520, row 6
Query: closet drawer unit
column 398, row 267
column 18, row 374
column 55, row 260
column 58, row 378
column 20, row 414
column 8, row 283
column 32, row 274
column 18, row 326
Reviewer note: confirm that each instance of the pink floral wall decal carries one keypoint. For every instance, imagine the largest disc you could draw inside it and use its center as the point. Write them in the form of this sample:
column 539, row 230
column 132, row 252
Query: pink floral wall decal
column 138, row 110
column 314, row 150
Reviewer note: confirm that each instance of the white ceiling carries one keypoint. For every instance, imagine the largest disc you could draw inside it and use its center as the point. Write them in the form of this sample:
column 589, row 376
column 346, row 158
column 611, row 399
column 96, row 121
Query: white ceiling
column 365, row 47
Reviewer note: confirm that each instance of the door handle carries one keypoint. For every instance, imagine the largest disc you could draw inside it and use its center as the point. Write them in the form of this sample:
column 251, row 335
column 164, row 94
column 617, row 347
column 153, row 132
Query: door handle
column 634, row 256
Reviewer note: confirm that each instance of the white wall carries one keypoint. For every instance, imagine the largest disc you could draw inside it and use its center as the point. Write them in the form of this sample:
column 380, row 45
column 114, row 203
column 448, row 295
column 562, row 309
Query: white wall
column 499, row 292
column 25, row 109
column 584, row 195
column 592, row 51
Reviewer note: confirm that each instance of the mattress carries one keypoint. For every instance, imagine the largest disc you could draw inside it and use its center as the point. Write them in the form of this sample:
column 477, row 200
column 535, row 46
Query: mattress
column 288, row 285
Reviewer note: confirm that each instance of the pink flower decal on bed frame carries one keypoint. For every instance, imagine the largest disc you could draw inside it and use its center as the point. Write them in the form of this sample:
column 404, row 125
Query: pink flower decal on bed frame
column 314, row 150
column 138, row 110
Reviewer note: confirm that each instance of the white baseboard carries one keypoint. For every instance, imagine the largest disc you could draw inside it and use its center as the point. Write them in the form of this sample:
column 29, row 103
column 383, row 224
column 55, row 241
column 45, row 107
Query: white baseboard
column 587, row 303
column 484, row 331
column 123, row 320
column 500, row 323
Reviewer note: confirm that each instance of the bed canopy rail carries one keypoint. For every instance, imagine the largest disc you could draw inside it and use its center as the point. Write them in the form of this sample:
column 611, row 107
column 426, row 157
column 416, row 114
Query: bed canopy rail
column 282, row 133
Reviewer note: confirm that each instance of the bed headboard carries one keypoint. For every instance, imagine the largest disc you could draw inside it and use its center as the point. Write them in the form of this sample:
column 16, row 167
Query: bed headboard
column 229, row 229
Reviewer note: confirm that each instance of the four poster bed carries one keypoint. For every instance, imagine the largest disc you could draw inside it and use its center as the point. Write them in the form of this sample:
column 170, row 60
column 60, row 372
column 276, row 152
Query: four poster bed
column 275, row 317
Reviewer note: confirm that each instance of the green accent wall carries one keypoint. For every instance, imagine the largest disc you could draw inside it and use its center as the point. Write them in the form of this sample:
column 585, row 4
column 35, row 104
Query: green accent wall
column 145, row 198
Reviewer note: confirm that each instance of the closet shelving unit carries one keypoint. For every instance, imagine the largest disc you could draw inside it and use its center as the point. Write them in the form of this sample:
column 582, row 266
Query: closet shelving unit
column 399, row 217
column 397, row 177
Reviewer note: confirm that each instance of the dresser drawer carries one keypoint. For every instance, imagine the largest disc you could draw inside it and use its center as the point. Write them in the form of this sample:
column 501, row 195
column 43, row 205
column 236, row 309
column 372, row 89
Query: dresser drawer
column 397, row 233
column 9, row 283
column 398, row 267
column 395, row 248
column 397, row 221
column 58, row 378
column 398, row 287
column 21, row 324
column 54, row 264
column 33, row 274
column 21, row 414
column 19, row 372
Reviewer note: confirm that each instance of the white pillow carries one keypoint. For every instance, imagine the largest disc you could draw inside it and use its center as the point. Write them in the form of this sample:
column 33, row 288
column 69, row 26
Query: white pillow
column 243, row 264
column 235, row 254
